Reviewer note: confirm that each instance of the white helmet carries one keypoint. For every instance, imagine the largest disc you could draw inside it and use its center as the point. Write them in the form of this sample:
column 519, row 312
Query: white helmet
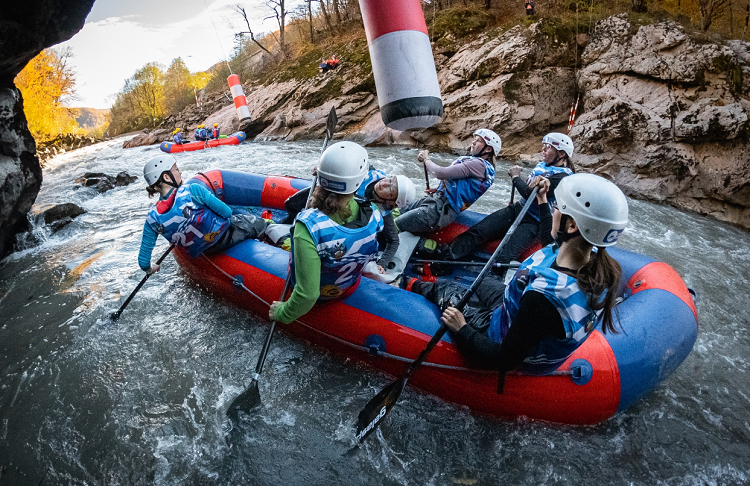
column 490, row 138
column 155, row 166
column 343, row 167
column 406, row 191
column 597, row 205
column 560, row 141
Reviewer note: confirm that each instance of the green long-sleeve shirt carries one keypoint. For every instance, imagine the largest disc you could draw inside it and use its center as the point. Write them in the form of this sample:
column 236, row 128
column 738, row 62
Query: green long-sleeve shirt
column 307, row 270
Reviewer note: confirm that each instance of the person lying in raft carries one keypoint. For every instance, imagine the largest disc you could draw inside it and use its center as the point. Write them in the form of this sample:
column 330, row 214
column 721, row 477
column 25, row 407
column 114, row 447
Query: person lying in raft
column 386, row 192
column 557, row 150
column 189, row 215
column 557, row 295
column 334, row 239
column 461, row 184
column 177, row 136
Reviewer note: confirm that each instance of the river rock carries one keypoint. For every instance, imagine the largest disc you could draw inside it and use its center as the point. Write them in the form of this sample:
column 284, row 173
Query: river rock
column 148, row 137
column 666, row 118
column 102, row 182
column 60, row 215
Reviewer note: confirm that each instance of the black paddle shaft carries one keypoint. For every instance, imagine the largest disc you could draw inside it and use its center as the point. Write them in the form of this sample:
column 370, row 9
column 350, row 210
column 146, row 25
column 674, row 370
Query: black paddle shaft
column 116, row 315
column 377, row 408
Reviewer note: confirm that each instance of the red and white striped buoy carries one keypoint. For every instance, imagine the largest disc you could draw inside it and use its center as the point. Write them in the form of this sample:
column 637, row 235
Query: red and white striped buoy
column 402, row 63
column 240, row 102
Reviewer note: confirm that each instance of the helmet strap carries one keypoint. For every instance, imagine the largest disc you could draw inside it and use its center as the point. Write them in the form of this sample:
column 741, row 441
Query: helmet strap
column 169, row 182
column 562, row 232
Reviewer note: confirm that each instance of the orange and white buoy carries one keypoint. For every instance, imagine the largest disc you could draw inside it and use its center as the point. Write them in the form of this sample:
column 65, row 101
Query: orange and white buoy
column 240, row 102
column 402, row 63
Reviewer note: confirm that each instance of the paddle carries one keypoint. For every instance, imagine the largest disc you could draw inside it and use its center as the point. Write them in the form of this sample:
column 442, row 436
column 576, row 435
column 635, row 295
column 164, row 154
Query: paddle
column 376, row 409
column 250, row 398
column 465, row 264
column 116, row 315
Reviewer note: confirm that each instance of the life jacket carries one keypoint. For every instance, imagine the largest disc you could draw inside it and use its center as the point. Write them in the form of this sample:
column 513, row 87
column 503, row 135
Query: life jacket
column 215, row 133
column 343, row 251
column 185, row 223
column 462, row 193
column 178, row 138
column 563, row 292
column 373, row 176
column 544, row 170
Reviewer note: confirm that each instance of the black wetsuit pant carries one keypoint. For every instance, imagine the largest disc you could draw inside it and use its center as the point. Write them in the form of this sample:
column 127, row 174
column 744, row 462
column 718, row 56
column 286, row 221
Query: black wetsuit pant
column 478, row 311
column 494, row 227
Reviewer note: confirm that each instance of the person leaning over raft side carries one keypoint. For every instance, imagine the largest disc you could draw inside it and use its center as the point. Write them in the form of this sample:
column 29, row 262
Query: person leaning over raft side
column 461, row 184
column 557, row 149
column 334, row 239
column 177, row 136
column 386, row 192
column 550, row 306
column 189, row 215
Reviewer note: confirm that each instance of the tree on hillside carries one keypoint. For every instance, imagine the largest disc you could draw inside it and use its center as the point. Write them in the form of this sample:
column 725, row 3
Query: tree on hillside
column 48, row 84
column 279, row 10
column 178, row 87
column 711, row 10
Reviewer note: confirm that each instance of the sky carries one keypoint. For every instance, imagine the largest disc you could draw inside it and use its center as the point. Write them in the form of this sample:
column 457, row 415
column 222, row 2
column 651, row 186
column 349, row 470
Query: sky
column 120, row 36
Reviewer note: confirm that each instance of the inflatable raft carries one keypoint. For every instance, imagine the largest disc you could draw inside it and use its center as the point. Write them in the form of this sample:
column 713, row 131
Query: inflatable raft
column 387, row 327
column 173, row 148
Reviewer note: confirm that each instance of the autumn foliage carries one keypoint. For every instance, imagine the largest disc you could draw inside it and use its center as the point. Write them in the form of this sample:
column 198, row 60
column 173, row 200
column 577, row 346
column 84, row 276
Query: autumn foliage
column 48, row 84
column 153, row 93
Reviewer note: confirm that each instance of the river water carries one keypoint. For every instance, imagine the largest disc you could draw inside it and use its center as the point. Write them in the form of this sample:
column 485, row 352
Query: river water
column 85, row 401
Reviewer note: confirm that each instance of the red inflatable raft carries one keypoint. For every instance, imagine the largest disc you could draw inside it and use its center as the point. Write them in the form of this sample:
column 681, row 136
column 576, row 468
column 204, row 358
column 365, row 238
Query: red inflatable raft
column 173, row 148
column 387, row 327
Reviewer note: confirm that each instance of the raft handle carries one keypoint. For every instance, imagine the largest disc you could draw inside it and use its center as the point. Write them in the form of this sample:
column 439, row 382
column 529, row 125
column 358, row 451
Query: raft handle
column 581, row 371
column 375, row 344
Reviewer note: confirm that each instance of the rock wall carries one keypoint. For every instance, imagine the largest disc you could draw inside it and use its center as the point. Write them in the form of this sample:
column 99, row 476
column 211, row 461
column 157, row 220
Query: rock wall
column 666, row 118
column 25, row 29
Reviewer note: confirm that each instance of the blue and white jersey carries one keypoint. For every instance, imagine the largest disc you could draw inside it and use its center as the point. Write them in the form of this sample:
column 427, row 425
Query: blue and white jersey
column 462, row 193
column 373, row 176
column 188, row 224
column 544, row 170
column 563, row 292
column 343, row 251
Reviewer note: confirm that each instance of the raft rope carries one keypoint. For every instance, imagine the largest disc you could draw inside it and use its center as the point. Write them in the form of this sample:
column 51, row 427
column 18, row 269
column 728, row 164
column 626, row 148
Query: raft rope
column 238, row 282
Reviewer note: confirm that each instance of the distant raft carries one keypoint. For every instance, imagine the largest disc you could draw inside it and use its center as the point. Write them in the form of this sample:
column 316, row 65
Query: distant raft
column 402, row 63
column 173, row 148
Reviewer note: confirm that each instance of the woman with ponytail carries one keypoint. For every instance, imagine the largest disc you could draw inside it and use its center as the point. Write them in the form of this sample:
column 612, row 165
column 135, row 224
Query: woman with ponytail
column 558, row 295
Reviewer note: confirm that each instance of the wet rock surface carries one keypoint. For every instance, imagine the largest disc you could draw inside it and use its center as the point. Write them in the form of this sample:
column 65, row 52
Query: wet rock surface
column 103, row 182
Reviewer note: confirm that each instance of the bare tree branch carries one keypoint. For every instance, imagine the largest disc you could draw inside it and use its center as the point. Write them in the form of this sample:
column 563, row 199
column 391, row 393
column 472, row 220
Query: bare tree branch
column 241, row 11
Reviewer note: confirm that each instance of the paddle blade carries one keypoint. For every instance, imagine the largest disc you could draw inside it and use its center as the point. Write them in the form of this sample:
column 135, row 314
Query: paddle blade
column 377, row 408
column 246, row 401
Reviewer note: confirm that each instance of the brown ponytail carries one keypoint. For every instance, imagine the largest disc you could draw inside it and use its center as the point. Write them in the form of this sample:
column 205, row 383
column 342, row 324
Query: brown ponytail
column 152, row 190
column 331, row 203
column 602, row 273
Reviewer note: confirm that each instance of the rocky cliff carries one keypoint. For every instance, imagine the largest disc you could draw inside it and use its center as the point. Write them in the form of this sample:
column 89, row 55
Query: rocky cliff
column 25, row 29
column 661, row 114
column 666, row 117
